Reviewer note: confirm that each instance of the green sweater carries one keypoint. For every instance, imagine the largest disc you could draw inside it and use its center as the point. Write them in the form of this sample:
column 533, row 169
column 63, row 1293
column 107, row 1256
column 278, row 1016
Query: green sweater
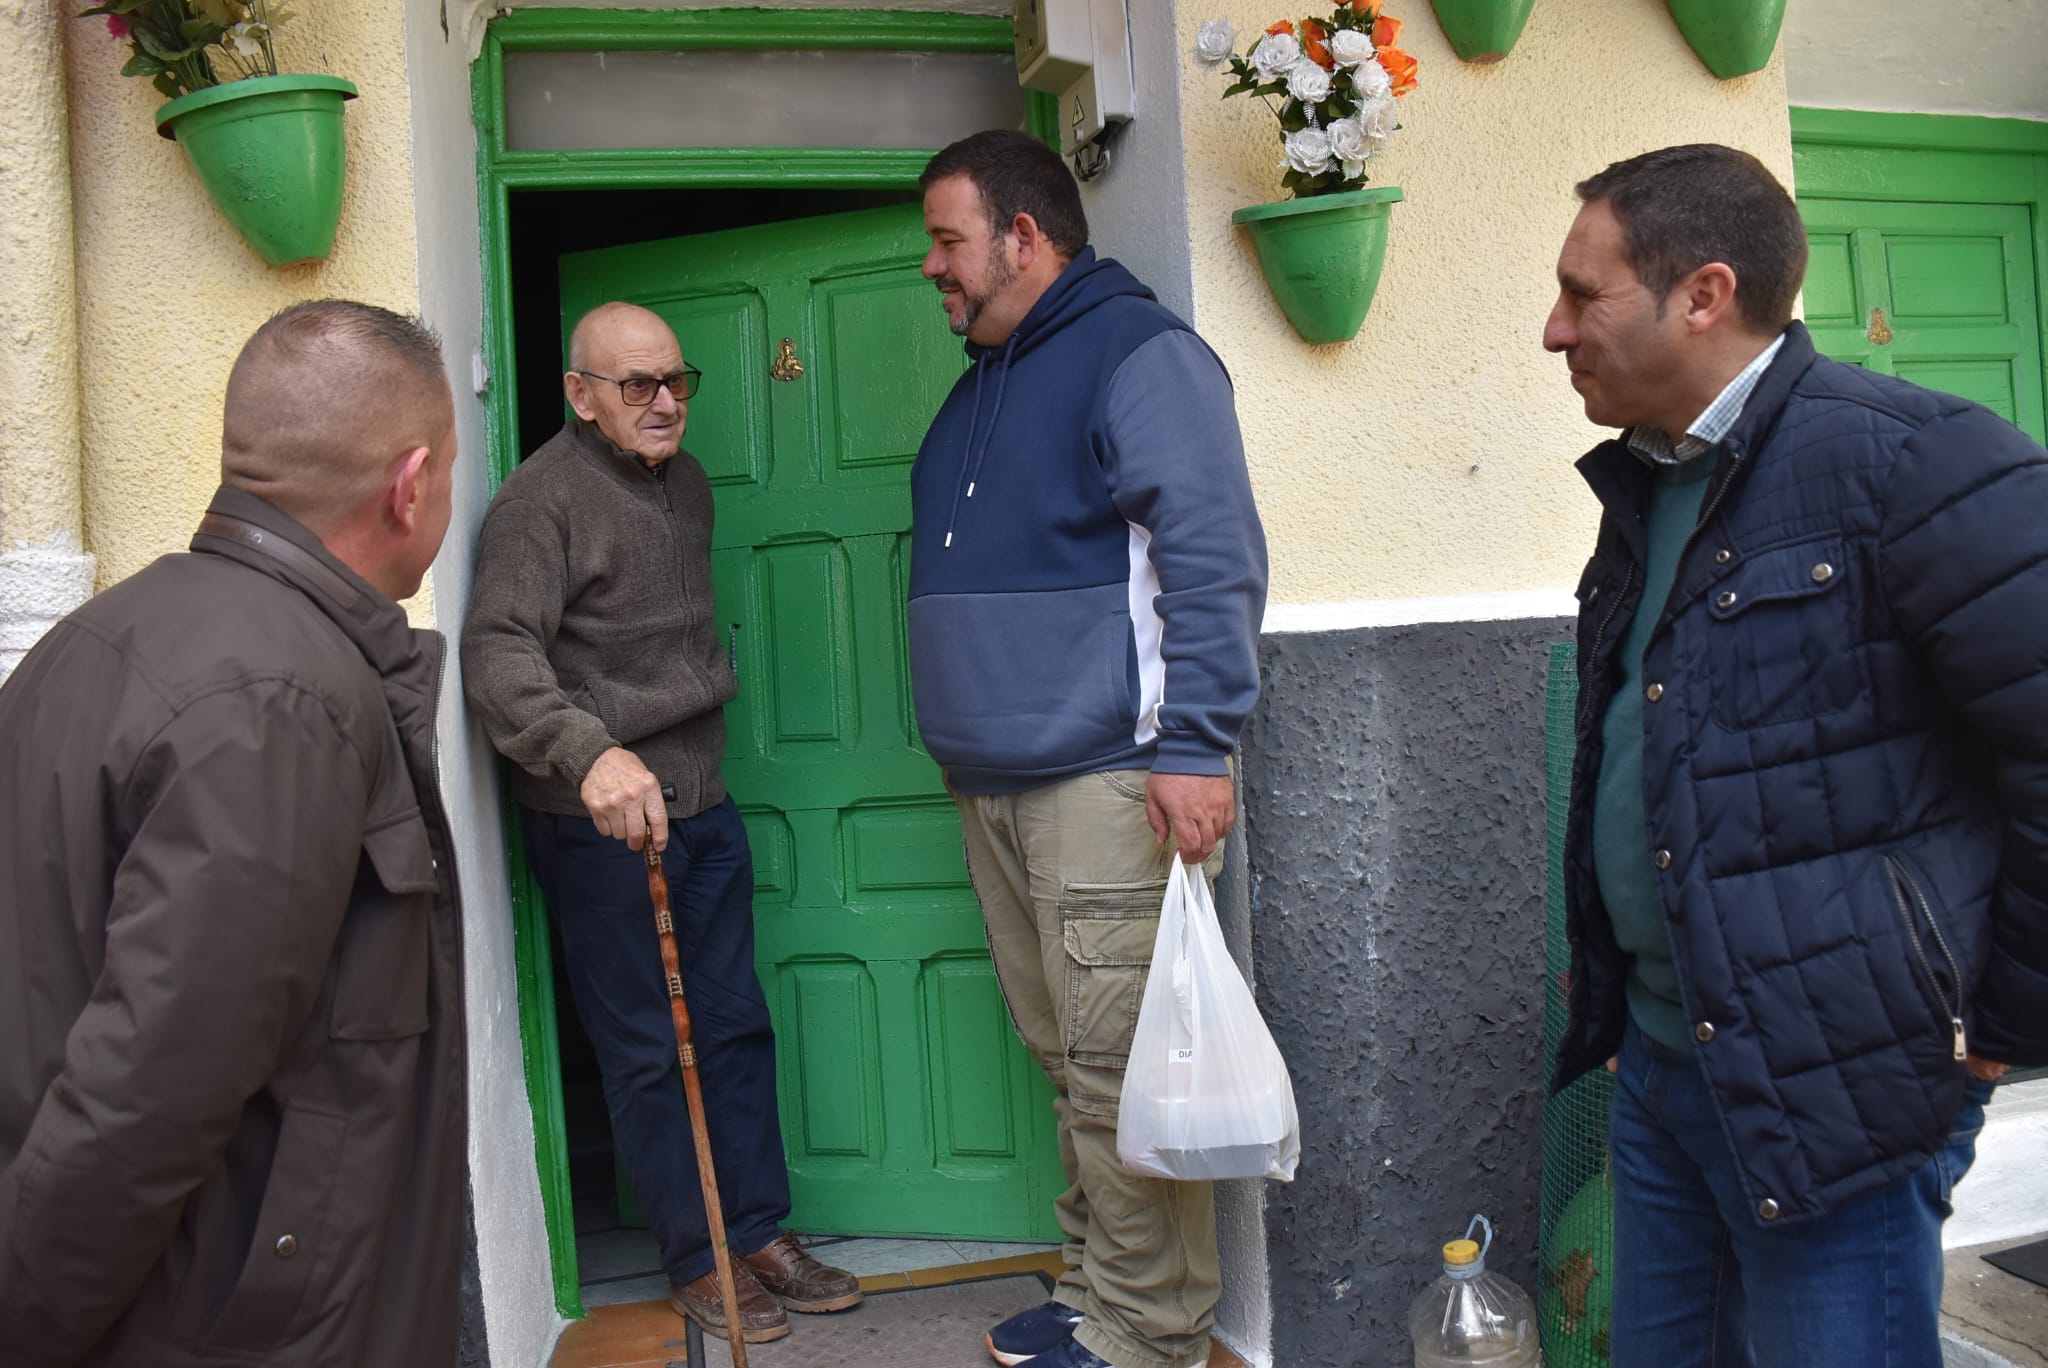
column 1621, row 829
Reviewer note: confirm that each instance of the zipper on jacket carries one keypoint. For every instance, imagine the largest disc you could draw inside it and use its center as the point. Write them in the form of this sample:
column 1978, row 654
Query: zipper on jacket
column 1902, row 884
column 434, row 712
column 1713, row 507
column 675, row 531
column 1600, row 635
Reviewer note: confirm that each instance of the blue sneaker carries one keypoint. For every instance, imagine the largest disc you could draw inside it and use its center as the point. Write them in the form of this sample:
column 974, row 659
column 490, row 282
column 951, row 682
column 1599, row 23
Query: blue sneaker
column 1029, row 1335
column 1068, row 1355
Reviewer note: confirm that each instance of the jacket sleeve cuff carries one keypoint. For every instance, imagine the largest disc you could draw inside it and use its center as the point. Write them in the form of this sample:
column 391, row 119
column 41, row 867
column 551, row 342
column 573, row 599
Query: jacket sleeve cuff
column 1189, row 754
column 580, row 749
column 2011, row 1025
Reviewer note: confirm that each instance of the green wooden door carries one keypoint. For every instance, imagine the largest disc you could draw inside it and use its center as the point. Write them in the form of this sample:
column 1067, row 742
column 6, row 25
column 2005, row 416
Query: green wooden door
column 908, row 1106
column 1939, row 294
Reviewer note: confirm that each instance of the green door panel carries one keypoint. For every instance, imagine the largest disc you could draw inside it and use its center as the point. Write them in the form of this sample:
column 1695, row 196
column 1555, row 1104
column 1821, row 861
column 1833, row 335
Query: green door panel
column 1943, row 295
column 908, row 1105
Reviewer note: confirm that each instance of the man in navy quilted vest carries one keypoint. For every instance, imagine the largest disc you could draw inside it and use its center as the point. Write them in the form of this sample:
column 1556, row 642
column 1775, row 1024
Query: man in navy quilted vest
column 1807, row 861
column 1087, row 575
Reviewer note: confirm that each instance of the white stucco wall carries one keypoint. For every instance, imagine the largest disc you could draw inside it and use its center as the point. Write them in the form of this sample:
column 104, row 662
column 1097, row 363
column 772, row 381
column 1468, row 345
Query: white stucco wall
column 2005, row 1194
column 1137, row 208
column 1986, row 57
column 511, row 1231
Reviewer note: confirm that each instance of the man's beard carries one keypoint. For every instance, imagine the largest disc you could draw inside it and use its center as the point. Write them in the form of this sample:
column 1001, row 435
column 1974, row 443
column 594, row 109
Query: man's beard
column 972, row 302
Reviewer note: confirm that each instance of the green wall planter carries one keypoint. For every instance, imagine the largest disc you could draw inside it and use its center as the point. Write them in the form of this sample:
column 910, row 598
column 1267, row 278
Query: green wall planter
column 1733, row 37
column 1321, row 257
column 1482, row 30
column 269, row 150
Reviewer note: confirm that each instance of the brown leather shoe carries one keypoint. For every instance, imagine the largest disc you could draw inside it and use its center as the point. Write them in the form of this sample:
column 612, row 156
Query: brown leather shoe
column 799, row 1281
column 761, row 1317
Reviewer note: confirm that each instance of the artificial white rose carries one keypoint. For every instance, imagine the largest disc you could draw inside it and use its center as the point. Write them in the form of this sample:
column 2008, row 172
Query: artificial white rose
column 1308, row 151
column 1276, row 55
column 1216, row 43
column 1371, row 81
column 246, row 38
column 1376, row 121
column 1350, row 47
column 1308, row 82
column 1349, row 146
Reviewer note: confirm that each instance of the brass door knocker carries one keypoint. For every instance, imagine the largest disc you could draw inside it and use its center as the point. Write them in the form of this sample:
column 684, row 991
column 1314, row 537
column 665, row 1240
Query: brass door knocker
column 786, row 367
column 1879, row 333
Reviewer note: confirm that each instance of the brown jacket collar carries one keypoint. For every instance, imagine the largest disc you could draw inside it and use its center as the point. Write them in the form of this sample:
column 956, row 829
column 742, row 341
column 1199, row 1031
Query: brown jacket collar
column 243, row 527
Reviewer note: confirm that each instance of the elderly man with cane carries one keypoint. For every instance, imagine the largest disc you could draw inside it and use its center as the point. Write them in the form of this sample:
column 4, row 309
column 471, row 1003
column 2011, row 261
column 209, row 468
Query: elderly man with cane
column 592, row 659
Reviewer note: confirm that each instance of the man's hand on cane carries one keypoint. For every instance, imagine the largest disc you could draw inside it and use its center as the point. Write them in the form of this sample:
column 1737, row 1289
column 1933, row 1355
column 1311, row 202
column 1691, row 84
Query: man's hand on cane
column 624, row 799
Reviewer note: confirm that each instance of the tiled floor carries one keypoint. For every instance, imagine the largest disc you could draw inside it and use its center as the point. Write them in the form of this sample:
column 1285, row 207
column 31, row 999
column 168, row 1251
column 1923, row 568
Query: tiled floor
column 630, row 1324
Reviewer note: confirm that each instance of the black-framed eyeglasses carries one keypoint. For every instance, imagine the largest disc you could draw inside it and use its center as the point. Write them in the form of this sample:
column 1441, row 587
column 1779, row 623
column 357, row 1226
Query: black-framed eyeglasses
column 639, row 390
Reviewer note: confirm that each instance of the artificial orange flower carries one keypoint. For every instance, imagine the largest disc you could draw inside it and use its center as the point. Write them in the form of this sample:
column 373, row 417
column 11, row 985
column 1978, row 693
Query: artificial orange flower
column 1400, row 66
column 1313, row 36
column 1385, row 32
column 1284, row 26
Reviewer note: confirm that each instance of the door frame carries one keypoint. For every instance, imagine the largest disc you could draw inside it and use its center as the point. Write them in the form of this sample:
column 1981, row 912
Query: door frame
column 500, row 171
column 1934, row 158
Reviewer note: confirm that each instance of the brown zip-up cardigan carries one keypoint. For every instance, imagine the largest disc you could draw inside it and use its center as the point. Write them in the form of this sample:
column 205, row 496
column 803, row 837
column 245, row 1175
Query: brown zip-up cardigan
column 232, row 1117
column 592, row 624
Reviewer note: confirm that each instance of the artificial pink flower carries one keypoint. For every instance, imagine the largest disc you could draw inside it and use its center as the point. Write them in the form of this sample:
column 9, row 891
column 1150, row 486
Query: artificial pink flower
column 117, row 26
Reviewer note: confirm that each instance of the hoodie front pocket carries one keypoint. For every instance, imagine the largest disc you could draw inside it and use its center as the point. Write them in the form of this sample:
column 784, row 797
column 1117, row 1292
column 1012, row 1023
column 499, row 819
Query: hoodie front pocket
column 1026, row 682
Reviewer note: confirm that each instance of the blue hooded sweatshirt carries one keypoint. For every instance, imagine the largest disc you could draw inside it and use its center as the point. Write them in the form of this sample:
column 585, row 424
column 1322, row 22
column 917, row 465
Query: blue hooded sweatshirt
column 1088, row 573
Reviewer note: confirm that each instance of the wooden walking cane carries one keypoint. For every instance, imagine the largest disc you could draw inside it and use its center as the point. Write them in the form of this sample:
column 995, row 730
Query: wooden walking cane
column 679, row 1011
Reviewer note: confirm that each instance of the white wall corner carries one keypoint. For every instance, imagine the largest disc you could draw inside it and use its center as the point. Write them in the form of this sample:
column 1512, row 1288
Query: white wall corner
column 1138, row 208
column 38, row 586
column 520, row 1320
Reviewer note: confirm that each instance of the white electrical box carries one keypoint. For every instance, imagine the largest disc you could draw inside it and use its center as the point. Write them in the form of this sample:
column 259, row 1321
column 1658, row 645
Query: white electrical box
column 1079, row 51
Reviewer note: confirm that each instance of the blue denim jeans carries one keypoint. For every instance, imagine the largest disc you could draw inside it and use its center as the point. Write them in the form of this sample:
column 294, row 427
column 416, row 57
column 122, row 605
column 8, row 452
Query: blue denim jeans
column 1698, row 1284
column 596, row 890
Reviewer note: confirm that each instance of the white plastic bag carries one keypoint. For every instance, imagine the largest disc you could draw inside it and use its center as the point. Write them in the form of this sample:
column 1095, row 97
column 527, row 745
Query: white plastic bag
column 1206, row 1093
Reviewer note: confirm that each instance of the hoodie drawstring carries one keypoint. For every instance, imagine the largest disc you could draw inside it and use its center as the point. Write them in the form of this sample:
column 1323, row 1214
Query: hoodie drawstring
column 970, row 469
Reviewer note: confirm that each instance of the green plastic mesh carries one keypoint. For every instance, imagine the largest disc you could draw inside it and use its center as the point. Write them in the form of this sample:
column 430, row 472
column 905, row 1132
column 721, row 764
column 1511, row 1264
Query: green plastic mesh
column 1574, row 1283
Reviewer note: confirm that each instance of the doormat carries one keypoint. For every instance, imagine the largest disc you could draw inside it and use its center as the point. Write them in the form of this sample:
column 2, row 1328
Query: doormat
column 2029, row 1261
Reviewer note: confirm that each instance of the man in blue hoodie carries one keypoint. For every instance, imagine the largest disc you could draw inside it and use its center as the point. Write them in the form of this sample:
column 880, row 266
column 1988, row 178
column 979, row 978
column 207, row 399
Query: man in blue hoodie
column 1087, row 579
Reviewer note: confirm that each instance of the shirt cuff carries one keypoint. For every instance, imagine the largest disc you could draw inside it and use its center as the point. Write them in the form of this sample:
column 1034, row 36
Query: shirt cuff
column 1187, row 753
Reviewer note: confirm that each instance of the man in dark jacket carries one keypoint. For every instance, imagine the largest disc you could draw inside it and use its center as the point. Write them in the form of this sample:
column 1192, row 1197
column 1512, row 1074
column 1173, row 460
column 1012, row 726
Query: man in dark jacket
column 1087, row 578
column 1807, row 860
column 592, row 657
column 232, row 1123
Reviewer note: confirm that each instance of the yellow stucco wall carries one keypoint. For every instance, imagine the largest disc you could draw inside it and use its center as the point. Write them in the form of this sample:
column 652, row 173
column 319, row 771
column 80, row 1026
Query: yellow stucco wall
column 38, row 342
column 167, row 293
column 1432, row 456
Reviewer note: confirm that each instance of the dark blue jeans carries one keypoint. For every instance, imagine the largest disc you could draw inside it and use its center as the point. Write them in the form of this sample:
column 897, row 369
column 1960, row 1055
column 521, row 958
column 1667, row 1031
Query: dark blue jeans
column 596, row 890
column 1698, row 1284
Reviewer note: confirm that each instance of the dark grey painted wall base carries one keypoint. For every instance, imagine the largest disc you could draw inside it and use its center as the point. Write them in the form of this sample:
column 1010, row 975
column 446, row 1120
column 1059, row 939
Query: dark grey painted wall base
column 1393, row 793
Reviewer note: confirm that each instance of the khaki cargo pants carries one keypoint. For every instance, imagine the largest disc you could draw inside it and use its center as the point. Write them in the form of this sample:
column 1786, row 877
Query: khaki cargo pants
column 1070, row 880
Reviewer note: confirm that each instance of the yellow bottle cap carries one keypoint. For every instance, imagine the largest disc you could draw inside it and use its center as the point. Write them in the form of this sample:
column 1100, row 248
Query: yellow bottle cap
column 1461, row 1251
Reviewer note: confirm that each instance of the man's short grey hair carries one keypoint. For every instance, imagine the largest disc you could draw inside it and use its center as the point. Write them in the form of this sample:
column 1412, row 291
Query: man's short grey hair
column 323, row 396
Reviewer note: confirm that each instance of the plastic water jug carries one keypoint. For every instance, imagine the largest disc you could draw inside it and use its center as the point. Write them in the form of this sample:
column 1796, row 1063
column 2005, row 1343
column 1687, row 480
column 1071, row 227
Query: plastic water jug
column 1470, row 1317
